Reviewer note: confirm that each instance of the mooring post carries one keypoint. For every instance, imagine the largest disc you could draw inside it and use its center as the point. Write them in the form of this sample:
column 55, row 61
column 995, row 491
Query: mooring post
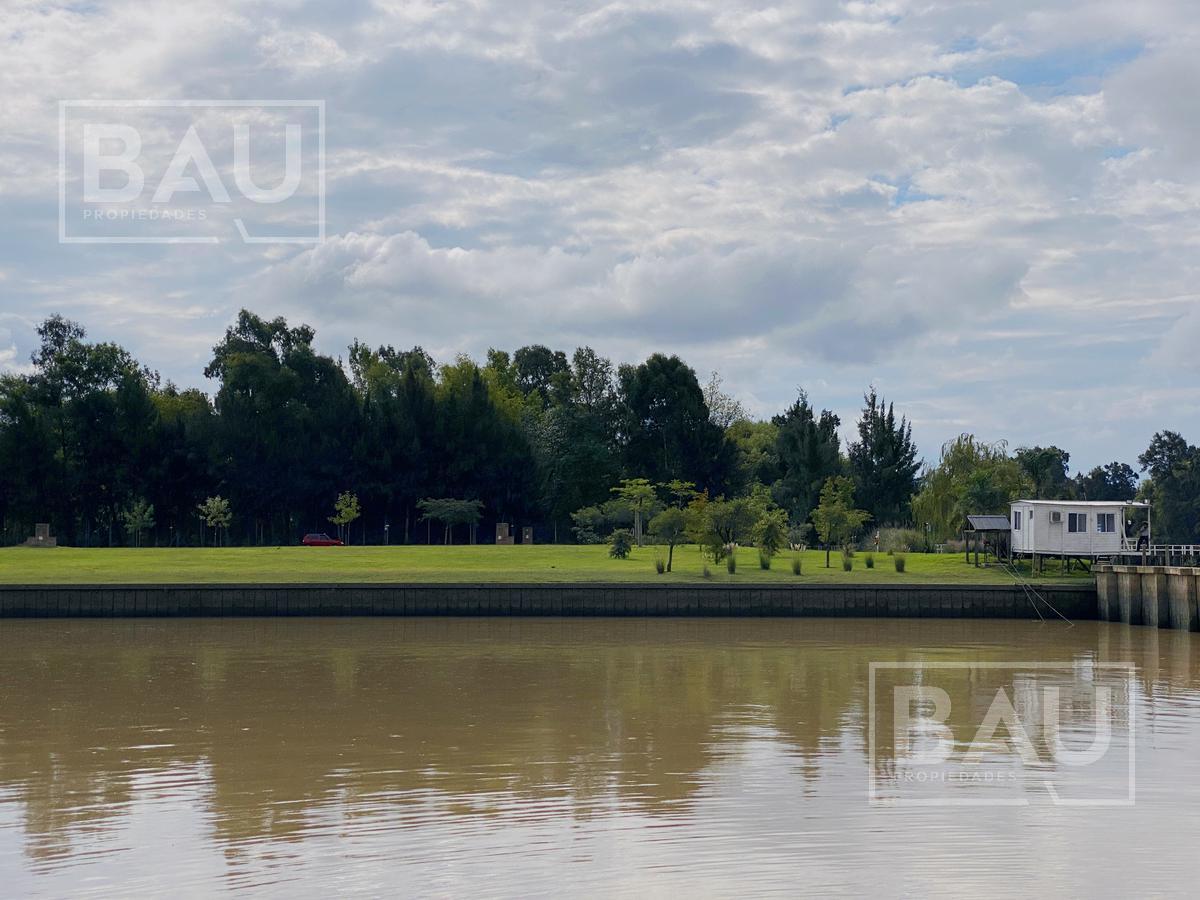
column 1129, row 590
column 1181, row 585
column 1106, row 591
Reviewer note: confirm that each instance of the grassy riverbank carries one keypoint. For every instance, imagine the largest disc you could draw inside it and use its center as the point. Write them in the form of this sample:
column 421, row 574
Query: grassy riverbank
column 478, row 564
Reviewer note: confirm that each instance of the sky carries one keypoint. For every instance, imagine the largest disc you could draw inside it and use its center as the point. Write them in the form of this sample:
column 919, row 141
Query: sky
column 986, row 210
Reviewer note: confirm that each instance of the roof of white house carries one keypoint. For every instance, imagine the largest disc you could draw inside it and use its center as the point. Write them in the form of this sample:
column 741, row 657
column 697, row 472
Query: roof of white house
column 1138, row 504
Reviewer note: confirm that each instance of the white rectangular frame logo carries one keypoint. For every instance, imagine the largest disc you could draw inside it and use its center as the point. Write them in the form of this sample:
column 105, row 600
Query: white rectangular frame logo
column 873, row 798
column 65, row 105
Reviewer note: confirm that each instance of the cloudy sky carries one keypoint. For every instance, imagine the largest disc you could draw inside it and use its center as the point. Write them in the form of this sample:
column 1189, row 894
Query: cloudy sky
column 988, row 210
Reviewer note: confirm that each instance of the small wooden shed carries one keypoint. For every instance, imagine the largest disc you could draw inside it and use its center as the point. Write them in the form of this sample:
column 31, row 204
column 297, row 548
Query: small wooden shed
column 988, row 530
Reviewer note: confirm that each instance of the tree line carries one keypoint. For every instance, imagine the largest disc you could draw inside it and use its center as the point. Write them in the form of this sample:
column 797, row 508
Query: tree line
column 99, row 446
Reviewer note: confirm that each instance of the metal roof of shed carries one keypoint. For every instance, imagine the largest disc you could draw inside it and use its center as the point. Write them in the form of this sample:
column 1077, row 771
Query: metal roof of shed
column 988, row 523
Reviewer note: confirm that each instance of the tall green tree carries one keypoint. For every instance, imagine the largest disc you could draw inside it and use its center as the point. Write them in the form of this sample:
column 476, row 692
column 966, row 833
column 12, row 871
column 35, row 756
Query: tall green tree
column 538, row 370
column 86, row 416
column 482, row 450
column 1046, row 469
column 574, row 439
column 809, row 452
column 1112, row 481
column 1174, row 488
column 883, row 461
column 756, row 453
column 396, row 452
column 667, row 429
column 287, row 422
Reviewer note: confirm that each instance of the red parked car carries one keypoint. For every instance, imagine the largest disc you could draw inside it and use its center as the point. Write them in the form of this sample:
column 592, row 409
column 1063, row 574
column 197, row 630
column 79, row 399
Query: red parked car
column 320, row 540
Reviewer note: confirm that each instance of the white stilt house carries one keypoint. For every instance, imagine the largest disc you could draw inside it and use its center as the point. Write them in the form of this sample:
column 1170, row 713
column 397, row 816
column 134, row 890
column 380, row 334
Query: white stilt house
column 1078, row 528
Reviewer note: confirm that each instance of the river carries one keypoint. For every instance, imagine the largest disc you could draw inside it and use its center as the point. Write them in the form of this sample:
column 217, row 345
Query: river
column 655, row 757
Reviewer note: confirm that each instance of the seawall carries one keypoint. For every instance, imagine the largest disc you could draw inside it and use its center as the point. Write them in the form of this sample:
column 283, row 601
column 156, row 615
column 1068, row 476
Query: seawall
column 891, row 600
column 1154, row 596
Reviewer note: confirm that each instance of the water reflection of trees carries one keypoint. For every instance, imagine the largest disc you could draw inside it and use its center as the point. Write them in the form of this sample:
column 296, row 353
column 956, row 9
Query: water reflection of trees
column 274, row 723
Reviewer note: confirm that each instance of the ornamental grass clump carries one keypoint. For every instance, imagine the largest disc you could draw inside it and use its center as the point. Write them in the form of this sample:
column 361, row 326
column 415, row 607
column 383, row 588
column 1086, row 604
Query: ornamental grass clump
column 797, row 565
column 869, row 560
column 899, row 560
column 660, row 565
column 764, row 559
column 731, row 562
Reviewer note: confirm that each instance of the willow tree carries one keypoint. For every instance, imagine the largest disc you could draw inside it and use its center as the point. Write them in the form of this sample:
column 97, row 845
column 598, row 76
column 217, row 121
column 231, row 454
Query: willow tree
column 971, row 477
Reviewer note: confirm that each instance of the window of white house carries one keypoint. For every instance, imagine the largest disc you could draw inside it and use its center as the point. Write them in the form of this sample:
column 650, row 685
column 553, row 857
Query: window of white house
column 1016, row 520
column 1106, row 523
column 1076, row 522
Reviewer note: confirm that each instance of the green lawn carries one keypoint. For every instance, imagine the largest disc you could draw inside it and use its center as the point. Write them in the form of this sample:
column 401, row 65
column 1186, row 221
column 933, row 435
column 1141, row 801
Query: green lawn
column 478, row 564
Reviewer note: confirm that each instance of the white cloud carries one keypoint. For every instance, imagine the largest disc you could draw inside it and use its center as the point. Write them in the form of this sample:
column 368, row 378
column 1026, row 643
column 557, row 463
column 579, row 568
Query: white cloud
column 969, row 204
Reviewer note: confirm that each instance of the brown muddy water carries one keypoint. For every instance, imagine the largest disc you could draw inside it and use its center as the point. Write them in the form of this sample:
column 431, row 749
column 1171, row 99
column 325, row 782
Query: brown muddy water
column 518, row 758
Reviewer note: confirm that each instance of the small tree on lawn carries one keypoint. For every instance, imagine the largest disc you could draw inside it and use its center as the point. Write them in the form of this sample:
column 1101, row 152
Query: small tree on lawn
column 345, row 511
column 138, row 518
column 771, row 531
column 637, row 493
column 451, row 512
column 722, row 524
column 669, row 526
column 216, row 514
column 836, row 518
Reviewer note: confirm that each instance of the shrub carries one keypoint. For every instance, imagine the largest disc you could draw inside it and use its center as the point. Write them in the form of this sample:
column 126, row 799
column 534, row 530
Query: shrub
column 900, row 540
column 869, row 560
column 731, row 562
column 898, row 559
column 594, row 523
column 847, row 564
column 620, row 544
column 660, row 565
column 797, row 566
column 707, row 573
column 764, row 559
column 798, row 536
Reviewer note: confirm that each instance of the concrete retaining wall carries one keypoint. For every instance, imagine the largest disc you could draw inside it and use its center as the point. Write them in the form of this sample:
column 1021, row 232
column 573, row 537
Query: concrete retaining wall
column 907, row 601
column 1155, row 596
